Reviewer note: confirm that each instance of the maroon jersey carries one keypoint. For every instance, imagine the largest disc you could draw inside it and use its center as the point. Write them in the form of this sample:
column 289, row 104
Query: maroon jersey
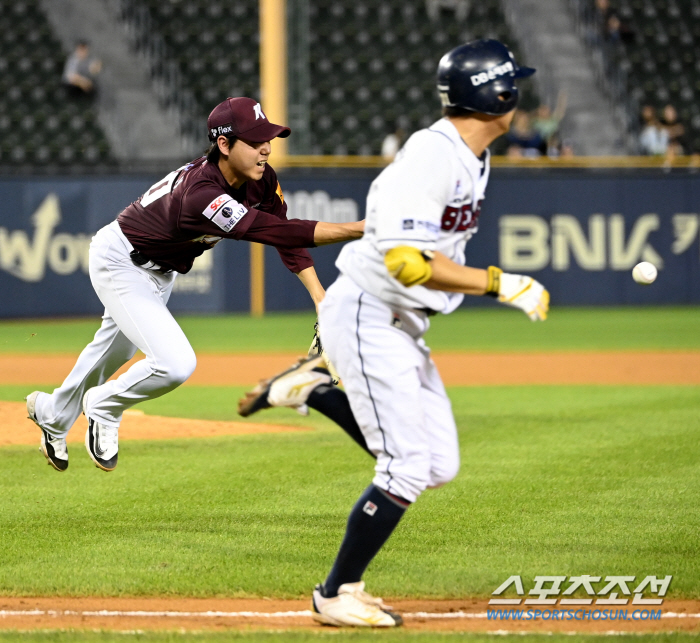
column 194, row 207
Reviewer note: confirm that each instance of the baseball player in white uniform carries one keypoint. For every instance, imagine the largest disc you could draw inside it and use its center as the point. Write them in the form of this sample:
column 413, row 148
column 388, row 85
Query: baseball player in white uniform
column 231, row 193
column 421, row 211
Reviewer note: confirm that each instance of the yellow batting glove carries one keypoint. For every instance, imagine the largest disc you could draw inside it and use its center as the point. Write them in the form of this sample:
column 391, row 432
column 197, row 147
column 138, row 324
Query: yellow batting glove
column 519, row 291
column 409, row 265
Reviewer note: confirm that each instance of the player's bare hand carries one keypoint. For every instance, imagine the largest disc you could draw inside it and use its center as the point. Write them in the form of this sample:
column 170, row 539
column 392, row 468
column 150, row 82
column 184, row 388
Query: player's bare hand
column 525, row 293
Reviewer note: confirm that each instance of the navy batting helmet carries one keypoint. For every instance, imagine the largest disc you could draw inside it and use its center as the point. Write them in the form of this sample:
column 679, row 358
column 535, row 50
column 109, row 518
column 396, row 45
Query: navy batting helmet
column 480, row 76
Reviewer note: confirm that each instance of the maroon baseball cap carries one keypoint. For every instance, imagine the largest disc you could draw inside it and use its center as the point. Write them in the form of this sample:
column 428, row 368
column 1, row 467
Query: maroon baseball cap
column 243, row 118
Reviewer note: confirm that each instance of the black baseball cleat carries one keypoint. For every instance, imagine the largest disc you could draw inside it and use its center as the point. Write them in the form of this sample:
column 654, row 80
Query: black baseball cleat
column 289, row 388
column 101, row 442
column 54, row 449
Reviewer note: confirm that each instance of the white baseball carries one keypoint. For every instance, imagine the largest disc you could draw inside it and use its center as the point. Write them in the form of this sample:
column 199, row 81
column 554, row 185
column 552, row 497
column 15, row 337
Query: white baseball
column 644, row 273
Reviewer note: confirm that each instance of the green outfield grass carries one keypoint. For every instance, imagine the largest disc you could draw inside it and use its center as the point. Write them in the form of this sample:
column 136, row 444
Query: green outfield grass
column 559, row 480
column 306, row 637
column 554, row 480
column 491, row 329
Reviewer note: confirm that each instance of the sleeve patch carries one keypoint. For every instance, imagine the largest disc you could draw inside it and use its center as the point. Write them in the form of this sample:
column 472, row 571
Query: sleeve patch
column 225, row 211
column 279, row 193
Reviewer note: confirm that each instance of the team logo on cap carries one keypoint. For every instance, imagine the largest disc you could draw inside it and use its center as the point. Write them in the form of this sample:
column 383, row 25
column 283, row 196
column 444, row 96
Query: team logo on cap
column 492, row 74
column 258, row 112
column 222, row 130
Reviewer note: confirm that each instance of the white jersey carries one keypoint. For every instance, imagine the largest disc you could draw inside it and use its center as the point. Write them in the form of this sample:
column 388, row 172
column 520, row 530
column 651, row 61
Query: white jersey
column 428, row 198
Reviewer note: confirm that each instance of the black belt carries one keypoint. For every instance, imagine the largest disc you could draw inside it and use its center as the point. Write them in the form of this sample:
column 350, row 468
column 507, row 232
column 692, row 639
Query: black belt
column 144, row 262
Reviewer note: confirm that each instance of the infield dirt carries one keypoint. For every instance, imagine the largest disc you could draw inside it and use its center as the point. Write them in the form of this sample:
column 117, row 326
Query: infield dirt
column 456, row 368
column 464, row 615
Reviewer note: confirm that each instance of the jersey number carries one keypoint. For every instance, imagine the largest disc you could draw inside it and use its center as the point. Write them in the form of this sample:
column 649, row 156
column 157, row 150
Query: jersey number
column 460, row 219
column 161, row 188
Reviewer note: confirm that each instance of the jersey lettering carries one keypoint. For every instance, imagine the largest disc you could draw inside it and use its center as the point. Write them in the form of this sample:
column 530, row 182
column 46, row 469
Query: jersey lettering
column 161, row 188
column 460, row 219
column 225, row 211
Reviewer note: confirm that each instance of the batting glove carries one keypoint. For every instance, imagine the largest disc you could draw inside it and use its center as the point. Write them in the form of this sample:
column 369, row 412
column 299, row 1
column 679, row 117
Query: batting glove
column 519, row 291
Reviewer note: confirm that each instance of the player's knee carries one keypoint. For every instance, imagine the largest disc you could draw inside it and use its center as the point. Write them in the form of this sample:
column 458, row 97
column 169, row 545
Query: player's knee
column 444, row 471
column 181, row 367
column 410, row 485
column 124, row 352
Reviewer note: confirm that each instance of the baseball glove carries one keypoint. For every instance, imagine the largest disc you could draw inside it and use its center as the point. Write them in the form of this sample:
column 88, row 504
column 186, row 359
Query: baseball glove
column 316, row 348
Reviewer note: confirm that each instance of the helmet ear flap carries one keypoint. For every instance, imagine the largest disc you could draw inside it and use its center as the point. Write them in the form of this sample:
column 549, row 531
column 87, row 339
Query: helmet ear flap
column 508, row 98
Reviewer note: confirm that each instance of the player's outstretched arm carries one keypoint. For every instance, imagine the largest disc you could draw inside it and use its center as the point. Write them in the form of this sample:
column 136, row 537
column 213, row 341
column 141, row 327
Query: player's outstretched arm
column 310, row 280
column 435, row 270
column 326, row 233
column 519, row 291
column 450, row 276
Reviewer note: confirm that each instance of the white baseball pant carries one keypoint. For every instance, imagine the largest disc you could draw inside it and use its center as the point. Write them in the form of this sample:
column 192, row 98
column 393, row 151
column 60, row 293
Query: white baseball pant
column 135, row 316
column 393, row 386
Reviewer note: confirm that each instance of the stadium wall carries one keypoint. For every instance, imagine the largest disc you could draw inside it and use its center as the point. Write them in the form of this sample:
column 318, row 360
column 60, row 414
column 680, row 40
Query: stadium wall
column 578, row 231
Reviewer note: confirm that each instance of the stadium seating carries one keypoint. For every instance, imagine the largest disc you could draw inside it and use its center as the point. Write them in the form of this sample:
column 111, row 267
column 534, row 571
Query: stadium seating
column 660, row 57
column 372, row 66
column 40, row 127
column 213, row 42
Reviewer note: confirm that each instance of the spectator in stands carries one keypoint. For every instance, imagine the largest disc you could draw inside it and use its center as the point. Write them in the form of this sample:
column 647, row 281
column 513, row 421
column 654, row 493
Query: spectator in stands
column 653, row 138
column 612, row 29
column 80, row 72
column 677, row 141
column 603, row 12
column 609, row 24
column 678, row 144
column 460, row 7
column 617, row 31
column 546, row 123
column 522, row 139
column 566, row 149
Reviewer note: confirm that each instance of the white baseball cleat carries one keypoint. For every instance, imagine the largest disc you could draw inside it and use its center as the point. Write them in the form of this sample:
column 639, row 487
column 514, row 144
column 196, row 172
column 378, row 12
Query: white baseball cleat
column 55, row 449
column 101, row 442
column 352, row 607
column 289, row 388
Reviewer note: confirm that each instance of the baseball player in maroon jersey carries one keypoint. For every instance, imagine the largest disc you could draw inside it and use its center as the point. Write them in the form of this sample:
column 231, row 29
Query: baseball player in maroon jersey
column 231, row 193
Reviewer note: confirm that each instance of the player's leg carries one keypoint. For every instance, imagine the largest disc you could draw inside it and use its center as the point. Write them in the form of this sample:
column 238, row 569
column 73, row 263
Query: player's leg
column 306, row 383
column 144, row 318
column 100, row 359
column 334, row 404
column 55, row 413
column 136, row 300
column 440, row 427
column 379, row 365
